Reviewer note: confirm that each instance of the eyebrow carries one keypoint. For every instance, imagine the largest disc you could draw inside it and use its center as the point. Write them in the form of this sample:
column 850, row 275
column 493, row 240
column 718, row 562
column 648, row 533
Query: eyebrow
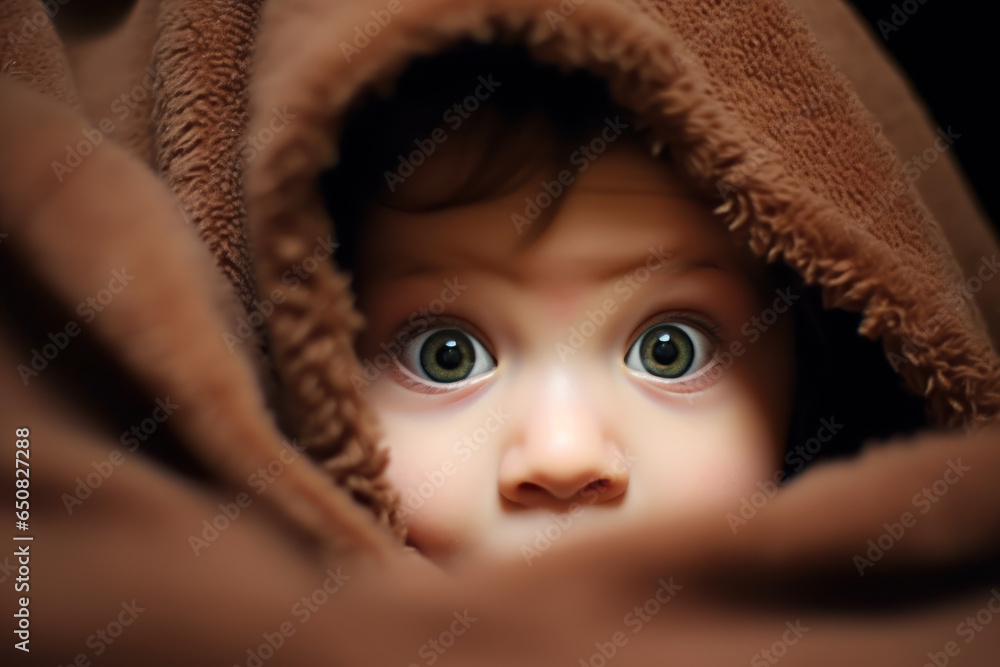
column 675, row 265
column 618, row 271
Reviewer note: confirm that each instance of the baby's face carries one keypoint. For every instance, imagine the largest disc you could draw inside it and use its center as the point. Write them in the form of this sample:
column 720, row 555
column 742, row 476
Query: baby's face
column 611, row 369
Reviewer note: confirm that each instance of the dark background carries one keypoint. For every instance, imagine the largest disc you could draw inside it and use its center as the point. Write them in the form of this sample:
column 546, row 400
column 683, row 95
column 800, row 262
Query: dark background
column 945, row 49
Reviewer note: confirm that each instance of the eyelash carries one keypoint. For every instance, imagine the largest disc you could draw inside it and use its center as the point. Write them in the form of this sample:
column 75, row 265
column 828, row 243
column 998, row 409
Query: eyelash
column 405, row 377
column 409, row 380
column 714, row 331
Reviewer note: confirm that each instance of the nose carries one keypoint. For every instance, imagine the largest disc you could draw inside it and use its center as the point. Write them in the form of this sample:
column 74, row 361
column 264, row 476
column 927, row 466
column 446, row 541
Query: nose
column 560, row 452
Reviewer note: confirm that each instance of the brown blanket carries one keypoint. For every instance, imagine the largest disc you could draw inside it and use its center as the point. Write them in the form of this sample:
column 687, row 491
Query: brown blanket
column 152, row 391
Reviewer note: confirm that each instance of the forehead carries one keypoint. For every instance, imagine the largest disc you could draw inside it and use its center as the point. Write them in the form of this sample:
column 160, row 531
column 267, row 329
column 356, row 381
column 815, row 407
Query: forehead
column 622, row 206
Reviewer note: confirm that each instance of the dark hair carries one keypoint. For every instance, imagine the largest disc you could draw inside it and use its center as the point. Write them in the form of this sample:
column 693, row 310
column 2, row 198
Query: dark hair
column 534, row 117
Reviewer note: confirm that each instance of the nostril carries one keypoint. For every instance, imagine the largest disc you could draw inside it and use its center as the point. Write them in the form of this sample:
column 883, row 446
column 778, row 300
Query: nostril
column 530, row 491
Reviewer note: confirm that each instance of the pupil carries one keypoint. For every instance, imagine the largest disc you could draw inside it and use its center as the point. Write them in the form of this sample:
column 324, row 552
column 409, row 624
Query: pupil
column 449, row 356
column 665, row 350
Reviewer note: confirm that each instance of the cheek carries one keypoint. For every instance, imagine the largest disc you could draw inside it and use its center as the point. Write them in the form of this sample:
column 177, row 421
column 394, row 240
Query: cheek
column 440, row 480
column 710, row 450
column 708, row 458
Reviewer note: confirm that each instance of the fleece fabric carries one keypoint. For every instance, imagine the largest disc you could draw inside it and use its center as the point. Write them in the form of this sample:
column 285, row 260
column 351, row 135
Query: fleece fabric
column 200, row 449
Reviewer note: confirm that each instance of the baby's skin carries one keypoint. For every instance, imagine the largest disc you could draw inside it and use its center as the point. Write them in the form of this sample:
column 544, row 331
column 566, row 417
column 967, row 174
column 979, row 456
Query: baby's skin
column 589, row 372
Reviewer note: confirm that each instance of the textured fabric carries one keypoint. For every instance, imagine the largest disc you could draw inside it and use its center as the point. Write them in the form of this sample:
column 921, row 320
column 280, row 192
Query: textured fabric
column 907, row 125
column 228, row 118
column 199, row 118
column 32, row 52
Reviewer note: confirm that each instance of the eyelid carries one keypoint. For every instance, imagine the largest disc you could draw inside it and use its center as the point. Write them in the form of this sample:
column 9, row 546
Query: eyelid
column 687, row 385
column 410, row 381
column 444, row 322
column 683, row 316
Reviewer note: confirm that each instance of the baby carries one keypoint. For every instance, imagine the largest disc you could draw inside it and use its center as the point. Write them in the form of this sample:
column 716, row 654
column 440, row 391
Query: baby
column 561, row 322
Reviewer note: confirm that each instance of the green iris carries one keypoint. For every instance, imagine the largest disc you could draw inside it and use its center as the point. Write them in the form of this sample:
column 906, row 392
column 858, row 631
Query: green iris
column 666, row 351
column 447, row 356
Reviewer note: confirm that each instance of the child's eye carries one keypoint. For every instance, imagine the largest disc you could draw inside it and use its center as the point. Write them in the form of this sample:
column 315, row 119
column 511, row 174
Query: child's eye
column 446, row 356
column 670, row 350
